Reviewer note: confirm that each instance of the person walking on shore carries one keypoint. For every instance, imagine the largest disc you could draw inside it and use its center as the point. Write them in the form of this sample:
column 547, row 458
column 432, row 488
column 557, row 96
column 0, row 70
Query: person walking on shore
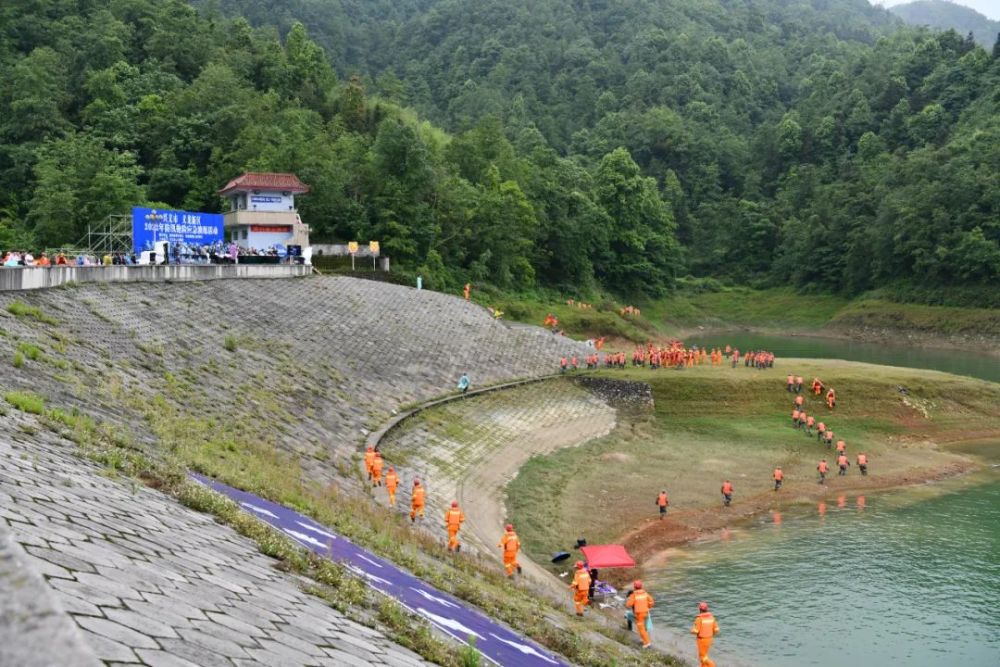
column 640, row 602
column 843, row 463
column 778, row 477
column 704, row 630
column 863, row 464
column 662, row 502
column 369, row 460
column 727, row 493
column 823, row 468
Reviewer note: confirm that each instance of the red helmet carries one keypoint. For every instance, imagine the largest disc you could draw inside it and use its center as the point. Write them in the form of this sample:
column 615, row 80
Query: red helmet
column 509, row 528
column 579, row 564
column 637, row 585
column 416, row 482
column 391, row 469
column 370, row 448
column 702, row 606
column 454, row 503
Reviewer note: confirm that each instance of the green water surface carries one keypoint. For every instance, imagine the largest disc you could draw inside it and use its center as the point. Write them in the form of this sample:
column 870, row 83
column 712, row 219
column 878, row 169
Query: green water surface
column 982, row 365
column 884, row 580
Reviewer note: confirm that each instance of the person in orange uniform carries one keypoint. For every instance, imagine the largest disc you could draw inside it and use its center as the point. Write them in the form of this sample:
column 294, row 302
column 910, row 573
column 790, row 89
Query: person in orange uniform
column 369, row 459
column 831, row 398
column 817, row 386
column 640, row 602
column 790, row 383
column 798, row 384
column 377, row 465
column 829, row 438
column 823, row 468
column 391, row 484
column 453, row 519
column 662, row 502
column 778, row 477
column 863, row 464
column 466, row 291
column 580, row 587
column 511, row 544
column 704, row 630
column 795, row 417
column 417, row 499
column 820, row 431
column 841, row 447
column 727, row 493
column 842, row 463
column 799, row 401
column 810, row 420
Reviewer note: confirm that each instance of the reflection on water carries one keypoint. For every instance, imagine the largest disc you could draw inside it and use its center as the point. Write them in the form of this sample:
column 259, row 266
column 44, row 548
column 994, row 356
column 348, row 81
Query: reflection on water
column 984, row 366
column 911, row 579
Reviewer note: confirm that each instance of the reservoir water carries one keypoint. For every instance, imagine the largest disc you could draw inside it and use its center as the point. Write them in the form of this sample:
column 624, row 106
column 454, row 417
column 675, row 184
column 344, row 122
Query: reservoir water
column 981, row 365
column 909, row 577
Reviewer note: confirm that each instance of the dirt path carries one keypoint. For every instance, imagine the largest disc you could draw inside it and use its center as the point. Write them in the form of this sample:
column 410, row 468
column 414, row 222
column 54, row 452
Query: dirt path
column 481, row 492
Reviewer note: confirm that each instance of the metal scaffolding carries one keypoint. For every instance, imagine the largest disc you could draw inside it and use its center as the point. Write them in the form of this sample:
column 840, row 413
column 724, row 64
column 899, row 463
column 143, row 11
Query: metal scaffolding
column 111, row 236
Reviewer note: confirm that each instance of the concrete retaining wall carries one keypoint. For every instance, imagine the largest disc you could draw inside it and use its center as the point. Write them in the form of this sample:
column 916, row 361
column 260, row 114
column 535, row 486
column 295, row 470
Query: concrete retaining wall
column 14, row 279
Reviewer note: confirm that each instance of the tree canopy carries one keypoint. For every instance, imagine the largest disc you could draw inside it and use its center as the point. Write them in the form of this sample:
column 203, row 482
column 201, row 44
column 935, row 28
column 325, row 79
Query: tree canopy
column 527, row 142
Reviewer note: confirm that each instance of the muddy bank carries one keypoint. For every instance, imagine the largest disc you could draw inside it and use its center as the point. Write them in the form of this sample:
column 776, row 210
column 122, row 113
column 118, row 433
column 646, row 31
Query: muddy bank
column 652, row 540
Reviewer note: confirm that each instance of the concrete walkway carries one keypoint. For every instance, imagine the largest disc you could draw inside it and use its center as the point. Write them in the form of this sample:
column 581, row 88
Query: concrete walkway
column 497, row 642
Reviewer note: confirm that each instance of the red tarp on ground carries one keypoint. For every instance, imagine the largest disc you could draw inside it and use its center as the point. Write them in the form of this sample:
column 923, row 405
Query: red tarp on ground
column 600, row 556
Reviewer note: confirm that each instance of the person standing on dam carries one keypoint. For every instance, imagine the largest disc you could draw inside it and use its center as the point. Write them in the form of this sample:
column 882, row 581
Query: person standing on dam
column 453, row 519
column 391, row 484
column 511, row 544
column 417, row 500
column 580, row 587
column 727, row 493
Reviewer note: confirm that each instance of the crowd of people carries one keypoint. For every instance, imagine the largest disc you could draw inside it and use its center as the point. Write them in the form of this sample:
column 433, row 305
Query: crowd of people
column 178, row 253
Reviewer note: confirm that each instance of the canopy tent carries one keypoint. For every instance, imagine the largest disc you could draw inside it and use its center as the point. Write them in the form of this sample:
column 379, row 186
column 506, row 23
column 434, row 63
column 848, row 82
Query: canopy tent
column 600, row 556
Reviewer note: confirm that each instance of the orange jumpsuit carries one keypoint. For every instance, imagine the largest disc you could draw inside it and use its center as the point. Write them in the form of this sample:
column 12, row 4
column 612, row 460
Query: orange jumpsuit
column 453, row 519
column 581, row 588
column 704, row 629
column 831, row 399
column 391, row 482
column 510, row 544
column 641, row 602
column 417, row 503
column 369, row 459
column 376, row 475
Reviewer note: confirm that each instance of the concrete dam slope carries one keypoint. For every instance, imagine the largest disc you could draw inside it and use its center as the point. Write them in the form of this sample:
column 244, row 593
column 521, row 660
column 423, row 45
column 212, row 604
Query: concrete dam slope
column 120, row 573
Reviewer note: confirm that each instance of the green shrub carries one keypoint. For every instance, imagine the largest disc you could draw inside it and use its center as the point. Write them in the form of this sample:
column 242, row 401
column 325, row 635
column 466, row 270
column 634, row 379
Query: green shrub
column 30, row 350
column 22, row 310
column 25, row 401
column 18, row 360
column 231, row 343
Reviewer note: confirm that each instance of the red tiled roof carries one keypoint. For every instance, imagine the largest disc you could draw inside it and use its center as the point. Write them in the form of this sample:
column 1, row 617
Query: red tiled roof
column 260, row 180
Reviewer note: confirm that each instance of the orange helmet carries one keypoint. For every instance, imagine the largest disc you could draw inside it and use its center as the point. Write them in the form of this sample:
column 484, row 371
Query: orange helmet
column 702, row 606
column 637, row 585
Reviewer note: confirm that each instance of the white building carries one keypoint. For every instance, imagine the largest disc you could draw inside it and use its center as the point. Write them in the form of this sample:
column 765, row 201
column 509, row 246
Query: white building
column 262, row 210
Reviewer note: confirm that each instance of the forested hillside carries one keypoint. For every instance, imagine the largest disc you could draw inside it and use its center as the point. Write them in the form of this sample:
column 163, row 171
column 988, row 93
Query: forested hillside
column 574, row 144
column 945, row 15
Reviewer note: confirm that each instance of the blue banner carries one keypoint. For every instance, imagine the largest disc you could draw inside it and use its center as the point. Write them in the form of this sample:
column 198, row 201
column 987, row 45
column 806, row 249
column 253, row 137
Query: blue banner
column 184, row 227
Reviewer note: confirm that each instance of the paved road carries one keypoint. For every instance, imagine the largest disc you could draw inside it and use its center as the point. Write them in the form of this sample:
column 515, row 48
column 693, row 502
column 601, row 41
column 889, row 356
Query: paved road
column 452, row 616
